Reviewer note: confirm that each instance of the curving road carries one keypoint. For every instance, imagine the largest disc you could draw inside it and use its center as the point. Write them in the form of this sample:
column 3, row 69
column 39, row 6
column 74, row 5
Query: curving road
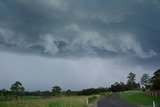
column 113, row 101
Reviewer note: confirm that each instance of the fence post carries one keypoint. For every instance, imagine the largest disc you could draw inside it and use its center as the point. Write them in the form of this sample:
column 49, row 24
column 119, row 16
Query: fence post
column 155, row 94
column 154, row 104
column 87, row 101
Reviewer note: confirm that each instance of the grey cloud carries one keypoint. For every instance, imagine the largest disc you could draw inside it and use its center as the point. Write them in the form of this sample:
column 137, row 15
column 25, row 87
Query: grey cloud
column 98, row 39
column 78, row 28
column 87, row 42
column 38, row 73
column 54, row 5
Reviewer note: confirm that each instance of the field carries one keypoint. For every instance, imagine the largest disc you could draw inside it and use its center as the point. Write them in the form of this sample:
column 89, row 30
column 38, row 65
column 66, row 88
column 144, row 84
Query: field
column 9, row 98
column 54, row 102
column 139, row 98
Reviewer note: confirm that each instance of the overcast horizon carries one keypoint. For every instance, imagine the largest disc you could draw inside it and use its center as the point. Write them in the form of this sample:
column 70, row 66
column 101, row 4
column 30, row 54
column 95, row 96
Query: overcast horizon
column 77, row 44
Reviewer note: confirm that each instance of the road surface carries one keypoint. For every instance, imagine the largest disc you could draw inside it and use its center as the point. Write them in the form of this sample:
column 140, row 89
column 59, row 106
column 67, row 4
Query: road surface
column 113, row 101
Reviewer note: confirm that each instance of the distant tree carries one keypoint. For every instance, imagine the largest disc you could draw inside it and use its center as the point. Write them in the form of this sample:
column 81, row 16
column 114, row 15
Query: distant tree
column 17, row 88
column 137, row 86
column 145, row 80
column 45, row 94
column 122, row 86
column 56, row 90
column 91, row 91
column 69, row 92
column 131, row 84
column 131, row 77
column 155, row 80
column 117, row 87
column 3, row 92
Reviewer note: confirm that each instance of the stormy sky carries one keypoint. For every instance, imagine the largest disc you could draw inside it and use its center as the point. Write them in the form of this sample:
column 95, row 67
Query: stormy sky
column 77, row 44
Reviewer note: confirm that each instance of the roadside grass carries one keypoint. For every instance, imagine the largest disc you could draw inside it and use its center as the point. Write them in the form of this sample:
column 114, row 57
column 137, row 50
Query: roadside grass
column 93, row 98
column 5, row 98
column 63, row 101
column 9, row 98
column 74, row 101
column 32, row 97
column 139, row 98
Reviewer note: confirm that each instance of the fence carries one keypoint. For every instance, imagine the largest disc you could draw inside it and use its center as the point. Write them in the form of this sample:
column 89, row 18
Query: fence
column 154, row 93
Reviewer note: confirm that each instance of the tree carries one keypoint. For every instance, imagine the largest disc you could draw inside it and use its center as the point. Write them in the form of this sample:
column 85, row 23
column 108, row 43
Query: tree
column 131, row 77
column 3, row 92
column 17, row 88
column 69, row 92
column 131, row 84
column 117, row 87
column 155, row 80
column 56, row 90
column 145, row 80
column 122, row 86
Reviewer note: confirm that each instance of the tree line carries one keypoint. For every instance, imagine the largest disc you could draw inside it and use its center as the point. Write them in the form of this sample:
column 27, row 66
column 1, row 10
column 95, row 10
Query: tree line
column 147, row 83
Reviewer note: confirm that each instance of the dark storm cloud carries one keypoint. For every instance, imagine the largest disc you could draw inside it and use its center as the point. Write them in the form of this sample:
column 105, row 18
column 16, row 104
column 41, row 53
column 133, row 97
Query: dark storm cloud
column 78, row 28
column 103, row 39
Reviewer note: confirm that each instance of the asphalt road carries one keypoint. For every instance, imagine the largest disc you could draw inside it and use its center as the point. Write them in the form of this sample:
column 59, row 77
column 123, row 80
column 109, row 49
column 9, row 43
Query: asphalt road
column 112, row 101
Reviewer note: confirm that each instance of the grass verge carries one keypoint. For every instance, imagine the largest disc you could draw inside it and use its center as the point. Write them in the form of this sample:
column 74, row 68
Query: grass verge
column 139, row 98
column 93, row 98
column 55, row 102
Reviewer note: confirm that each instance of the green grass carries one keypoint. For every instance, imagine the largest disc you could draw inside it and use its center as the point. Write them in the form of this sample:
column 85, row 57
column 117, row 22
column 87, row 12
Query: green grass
column 32, row 97
column 93, row 98
column 139, row 98
column 55, row 102
column 9, row 98
column 5, row 98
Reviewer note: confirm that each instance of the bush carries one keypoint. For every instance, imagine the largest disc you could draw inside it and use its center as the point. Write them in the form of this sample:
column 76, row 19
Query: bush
column 92, row 99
